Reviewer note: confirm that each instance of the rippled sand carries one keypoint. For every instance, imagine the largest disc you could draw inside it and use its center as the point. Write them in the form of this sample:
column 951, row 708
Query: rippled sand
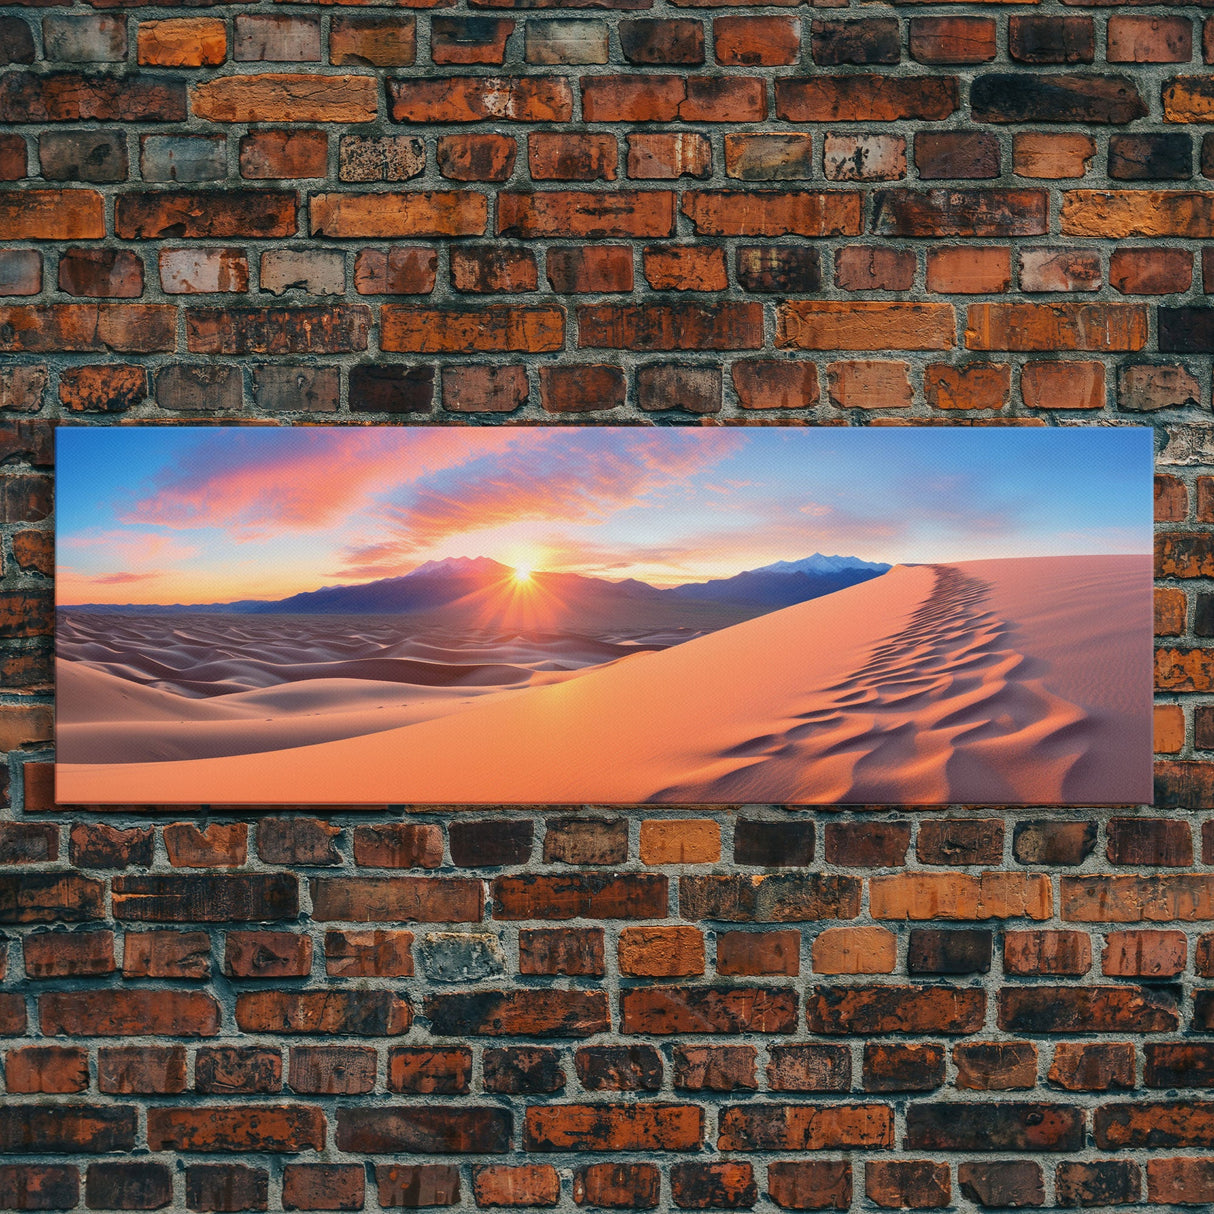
column 1022, row 681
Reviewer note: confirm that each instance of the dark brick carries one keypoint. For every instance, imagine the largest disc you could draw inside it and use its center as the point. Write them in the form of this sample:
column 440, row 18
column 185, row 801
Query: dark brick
column 1150, row 157
column 1002, row 1126
column 875, row 40
column 391, row 388
column 757, row 841
column 490, row 843
column 1052, row 39
column 960, row 951
column 1006, row 97
column 130, row 1185
column 522, row 1070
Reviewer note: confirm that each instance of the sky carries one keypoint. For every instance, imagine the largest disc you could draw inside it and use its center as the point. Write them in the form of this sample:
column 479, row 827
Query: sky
column 169, row 514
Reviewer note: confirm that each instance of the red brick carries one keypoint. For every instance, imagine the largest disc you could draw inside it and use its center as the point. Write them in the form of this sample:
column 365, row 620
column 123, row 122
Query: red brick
column 400, row 270
column 105, row 327
column 25, row 1186
column 261, row 954
column 685, row 268
column 316, row 1186
column 995, row 1066
column 332, row 1070
column 399, row 845
column 678, row 326
column 361, row 954
column 1093, row 1066
column 775, row 385
column 952, row 39
column 864, row 97
column 1051, row 39
column 142, row 215
column 756, row 41
column 1058, row 1009
column 484, row 389
column 1062, row 326
column 661, row 952
column 568, row 213
column 218, row 845
column 415, row 1185
column 469, row 39
column 515, row 1013
column 668, row 98
column 756, row 953
column 956, row 154
column 498, row 1185
column 130, row 1185
column 493, row 268
column 378, row 41
column 725, row 1185
column 182, row 42
column 285, row 97
column 988, row 213
column 1062, row 385
column 581, row 388
column 971, row 386
column 968, row 270
column 1179, row 1181
column 371, row 1013
column 855, row 950
column 1149, row 841
column 902, row 1184
column 590, row 270
column 874, row 268
column 656, row 42
column 228, row 1069
column 504, row 327
column 772, row 213
column 435, row 213
column 60, row 954
column 1151, row 271
column 476, row 157
column 1051, row 156
column 429, row 1071
column 561, row 951
column 903, row 1068
column 617, row 1186
column 1003, row 1126
column 108, row 388
column 810, row 1185
column 691, row 1009
column 666, row 156
column 871, row 384
column 76, row 97
column 558, row 156
column 429, row 1129
column 804, row 1127
column 48, row 1068
column 613, row 1127
column 247, row 1127
column 480, row 98
column 20, row 272
column 226, row 1187
column 122, row 1013
column 894, row 1009
column 166, row 954
column 864, row 325
column 809, row 1068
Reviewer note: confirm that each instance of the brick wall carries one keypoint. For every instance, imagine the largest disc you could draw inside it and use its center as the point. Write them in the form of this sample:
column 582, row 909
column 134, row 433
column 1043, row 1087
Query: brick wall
column 623, row 211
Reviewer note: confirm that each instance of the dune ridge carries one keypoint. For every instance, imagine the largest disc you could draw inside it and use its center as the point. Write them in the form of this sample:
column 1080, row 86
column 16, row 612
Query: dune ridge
column 1017, row 681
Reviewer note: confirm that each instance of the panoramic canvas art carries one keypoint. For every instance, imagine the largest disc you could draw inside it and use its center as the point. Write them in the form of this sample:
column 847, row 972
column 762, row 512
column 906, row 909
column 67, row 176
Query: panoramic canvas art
column 695, row 615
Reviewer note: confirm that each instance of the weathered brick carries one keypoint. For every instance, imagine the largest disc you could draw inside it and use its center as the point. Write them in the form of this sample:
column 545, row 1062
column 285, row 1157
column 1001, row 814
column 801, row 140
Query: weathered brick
column 938, row 40
column 226, row 1187
column 245, row 1127
column 332, row 1070
column 335, row 329
column 76, row 97
column 783, row 1127
column 894, row 1009
column 1101, row 1182
column 496, row 1185
column 865, row 97
column 661, row 952
column 1062, row 385
column 108, row 388
column 283, row 154
column 1057, row 1009
column 1093, row 1066
column 284, row 97
column 182, row 42
column 1004, row 1126
column 568, row 41
column 206, row 213
column 810, row 1185
column 960, row 212
column 903, row 1068
column 617, row 1185
column 561, row 951
column 514, row 1013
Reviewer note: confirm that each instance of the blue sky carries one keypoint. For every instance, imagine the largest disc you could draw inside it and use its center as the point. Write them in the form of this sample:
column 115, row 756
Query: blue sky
column 188, row 514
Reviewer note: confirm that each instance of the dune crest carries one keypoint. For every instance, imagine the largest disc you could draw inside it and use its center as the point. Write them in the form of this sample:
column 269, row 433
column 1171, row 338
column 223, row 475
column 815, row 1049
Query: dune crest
column 1023, row 680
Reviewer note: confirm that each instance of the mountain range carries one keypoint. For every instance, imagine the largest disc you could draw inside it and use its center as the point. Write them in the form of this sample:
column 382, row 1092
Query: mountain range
column 469, row 580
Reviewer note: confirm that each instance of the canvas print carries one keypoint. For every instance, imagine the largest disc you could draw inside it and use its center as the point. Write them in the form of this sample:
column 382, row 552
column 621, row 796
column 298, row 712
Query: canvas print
column 366, row 615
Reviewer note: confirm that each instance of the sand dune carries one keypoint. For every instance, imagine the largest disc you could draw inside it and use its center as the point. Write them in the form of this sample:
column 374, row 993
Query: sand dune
column 1013, row 681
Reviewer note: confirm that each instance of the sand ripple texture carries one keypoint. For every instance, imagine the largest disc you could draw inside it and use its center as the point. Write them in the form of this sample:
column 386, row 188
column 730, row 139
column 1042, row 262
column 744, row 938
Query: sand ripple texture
column 1016, row 681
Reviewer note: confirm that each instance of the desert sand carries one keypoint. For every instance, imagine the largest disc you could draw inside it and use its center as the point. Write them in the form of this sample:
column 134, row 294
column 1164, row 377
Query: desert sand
column 1015, row 681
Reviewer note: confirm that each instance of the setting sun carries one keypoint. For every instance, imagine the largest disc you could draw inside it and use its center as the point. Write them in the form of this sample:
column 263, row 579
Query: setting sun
column 522, row 574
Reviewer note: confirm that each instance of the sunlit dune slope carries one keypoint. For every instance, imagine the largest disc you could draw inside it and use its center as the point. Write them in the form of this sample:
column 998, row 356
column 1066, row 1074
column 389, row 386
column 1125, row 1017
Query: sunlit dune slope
column 1015, row 681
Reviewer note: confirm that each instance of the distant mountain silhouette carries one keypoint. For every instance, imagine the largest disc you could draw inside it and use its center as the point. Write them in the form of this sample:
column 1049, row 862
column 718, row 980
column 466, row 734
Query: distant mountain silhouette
column 471, row 586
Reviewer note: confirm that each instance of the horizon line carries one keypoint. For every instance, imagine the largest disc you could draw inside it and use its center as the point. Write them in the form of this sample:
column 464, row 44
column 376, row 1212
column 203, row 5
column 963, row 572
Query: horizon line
column 613, row 581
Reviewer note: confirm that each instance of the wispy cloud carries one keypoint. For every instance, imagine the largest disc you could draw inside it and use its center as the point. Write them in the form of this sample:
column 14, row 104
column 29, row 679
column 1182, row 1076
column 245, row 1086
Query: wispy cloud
column 584, row 479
